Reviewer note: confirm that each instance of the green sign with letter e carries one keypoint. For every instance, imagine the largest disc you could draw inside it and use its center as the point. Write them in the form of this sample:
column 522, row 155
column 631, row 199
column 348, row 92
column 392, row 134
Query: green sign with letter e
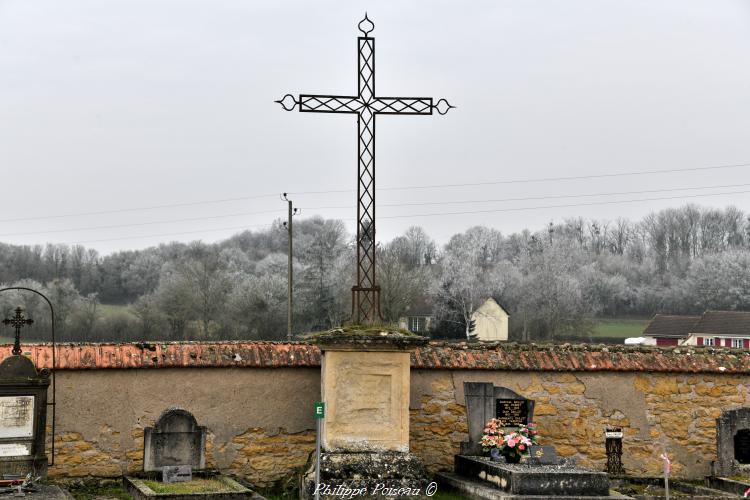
column 319, row 409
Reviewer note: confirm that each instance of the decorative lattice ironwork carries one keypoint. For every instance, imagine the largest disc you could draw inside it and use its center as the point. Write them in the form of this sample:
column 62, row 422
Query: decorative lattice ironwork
column 366, row 105
column 613, row 447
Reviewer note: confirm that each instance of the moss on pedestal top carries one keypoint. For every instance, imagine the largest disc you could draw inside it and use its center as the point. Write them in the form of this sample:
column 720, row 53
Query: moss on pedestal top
column 366, row 337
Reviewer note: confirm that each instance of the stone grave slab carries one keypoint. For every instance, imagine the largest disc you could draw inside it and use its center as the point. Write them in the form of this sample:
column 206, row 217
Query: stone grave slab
column 176, row 439
column 544, row 480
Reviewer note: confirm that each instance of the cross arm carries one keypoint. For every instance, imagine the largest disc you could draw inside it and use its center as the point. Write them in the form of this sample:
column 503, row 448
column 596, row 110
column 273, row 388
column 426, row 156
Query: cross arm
column 321, row 103
column 409, row 106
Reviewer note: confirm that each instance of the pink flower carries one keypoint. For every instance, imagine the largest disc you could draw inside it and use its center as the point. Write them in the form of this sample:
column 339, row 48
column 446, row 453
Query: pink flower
column 521, row 447
column 511, row 443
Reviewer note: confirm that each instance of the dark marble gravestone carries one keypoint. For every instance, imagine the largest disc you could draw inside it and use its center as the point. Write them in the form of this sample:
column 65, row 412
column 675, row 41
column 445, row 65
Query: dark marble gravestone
column 23, row 417
column 541, row 473
column 732, row 441
column 485, row 401
column 176, row 439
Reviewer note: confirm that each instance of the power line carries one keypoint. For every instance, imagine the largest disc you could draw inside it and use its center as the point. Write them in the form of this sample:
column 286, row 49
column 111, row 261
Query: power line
column 561, row 206
column 552, row 197
column 242, row 214
column 519, row 209
column 166, row 234
column 137, row 209
column 396, row 188
column 531, row 180
column 115, row 226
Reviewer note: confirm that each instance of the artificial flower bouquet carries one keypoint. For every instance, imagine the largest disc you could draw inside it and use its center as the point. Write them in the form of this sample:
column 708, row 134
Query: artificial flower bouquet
column 511, row 444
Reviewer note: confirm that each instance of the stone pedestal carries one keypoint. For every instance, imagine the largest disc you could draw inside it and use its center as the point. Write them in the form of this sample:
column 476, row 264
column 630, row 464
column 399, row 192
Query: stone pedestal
column 365, row 433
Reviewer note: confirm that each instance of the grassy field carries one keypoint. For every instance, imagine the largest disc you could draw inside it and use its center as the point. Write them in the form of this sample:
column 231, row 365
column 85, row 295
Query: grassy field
column 617, row 327
column 109, row 310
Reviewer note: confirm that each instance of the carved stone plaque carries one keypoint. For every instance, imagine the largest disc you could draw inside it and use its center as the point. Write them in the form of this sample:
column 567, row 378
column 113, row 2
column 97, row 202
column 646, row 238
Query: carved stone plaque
column 16, row 416
column 367, row 401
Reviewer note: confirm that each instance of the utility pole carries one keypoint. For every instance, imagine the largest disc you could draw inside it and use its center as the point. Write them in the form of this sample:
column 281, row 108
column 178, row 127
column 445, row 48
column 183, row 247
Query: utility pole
column 290, row 272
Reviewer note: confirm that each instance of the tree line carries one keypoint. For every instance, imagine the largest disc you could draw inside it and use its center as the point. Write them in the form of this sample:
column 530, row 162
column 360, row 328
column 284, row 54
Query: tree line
column 553, row 281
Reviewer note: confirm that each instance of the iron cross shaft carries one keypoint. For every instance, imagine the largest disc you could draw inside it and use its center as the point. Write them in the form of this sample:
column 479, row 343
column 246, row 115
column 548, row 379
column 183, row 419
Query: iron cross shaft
column 366, row 105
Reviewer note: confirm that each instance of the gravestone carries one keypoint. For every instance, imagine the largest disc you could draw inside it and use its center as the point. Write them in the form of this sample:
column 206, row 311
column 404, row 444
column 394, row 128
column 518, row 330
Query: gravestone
column 732, row 442
column 541, row 473
column 485, row 401
column 176, row 439
column 23, row 417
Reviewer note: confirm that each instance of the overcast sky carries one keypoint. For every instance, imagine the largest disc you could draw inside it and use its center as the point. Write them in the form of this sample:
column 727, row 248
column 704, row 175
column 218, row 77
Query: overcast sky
column 122, row 104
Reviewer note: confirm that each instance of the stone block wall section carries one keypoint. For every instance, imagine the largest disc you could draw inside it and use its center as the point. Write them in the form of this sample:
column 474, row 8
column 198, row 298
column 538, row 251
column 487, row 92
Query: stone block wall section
column 256, row 399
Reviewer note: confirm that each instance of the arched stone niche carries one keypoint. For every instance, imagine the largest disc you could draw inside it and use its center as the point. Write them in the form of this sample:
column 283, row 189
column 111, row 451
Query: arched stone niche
column 732, row 441
column 176, row 439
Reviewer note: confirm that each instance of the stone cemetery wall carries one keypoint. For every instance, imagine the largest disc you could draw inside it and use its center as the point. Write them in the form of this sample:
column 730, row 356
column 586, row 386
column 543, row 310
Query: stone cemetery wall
column 255, row 399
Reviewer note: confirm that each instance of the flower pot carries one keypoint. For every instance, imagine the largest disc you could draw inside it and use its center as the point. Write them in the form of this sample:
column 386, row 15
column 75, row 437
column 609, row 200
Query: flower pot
column 512, row 458
column 495, row 455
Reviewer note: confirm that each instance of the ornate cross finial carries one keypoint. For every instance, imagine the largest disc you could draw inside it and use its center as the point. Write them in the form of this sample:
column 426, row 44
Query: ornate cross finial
column 366, row 26
column 18, row 322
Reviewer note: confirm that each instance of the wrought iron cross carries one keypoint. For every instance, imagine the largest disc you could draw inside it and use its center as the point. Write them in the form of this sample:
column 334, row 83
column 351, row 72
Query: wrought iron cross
column 366, row 105
column 18, row 322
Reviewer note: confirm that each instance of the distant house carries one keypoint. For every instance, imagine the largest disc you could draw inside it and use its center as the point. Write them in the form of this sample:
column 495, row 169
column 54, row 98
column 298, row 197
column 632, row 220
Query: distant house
column 721, row 328
column 491, row 321
column 665, row 329
column 712, row 328
column 417, row 320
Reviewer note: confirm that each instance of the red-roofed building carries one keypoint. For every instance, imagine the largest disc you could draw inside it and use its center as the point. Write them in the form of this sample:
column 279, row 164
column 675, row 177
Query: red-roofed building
column 666, row 329
column 713, row 328
column 721, row 329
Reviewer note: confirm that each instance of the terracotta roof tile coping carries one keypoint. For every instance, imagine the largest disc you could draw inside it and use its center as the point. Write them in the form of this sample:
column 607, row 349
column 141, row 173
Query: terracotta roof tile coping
column 434, row 355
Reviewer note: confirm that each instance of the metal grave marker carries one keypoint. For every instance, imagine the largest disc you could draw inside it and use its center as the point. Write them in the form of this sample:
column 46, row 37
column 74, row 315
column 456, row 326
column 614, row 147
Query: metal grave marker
column 176, row 473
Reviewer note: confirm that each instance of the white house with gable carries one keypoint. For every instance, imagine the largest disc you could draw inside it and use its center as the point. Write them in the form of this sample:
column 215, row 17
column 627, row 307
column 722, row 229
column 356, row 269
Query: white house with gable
column 491, row 322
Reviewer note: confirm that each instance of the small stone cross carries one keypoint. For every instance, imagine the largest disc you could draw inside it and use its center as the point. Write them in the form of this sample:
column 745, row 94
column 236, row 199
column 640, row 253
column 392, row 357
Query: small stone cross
column 18, row 322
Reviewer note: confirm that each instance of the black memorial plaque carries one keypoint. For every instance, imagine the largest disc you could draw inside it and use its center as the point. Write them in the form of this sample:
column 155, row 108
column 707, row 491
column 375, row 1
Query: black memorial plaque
column 742, row 446
column 512, row 412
